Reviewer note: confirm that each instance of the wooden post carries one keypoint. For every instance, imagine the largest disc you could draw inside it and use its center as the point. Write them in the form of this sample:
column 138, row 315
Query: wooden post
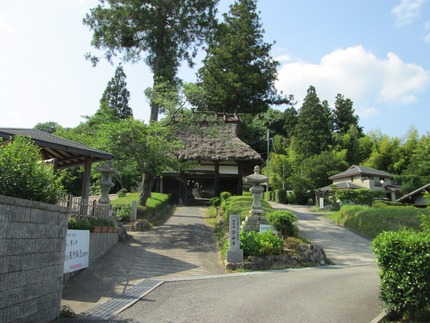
column 86, row 179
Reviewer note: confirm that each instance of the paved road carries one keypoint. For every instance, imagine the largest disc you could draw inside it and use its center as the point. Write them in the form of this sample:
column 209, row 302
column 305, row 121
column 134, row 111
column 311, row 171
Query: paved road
column 341, row 245
column 348, row 294
column 184, row 246
column 344, row 293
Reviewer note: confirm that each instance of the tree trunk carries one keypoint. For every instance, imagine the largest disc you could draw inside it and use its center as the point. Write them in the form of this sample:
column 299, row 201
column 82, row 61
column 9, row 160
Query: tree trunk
column 154, row 112
column 147, row 180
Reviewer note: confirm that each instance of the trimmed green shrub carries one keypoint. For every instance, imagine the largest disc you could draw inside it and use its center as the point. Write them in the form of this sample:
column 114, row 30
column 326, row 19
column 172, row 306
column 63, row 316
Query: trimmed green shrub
column 404, row 261
column 281, row 196
column 361, row 196
column 225, row 195
column 283, row 222
column 79, row 223
column 122, row 192
column 123, row 211
column 215, row 201
column 23, row 173
column 260, row 244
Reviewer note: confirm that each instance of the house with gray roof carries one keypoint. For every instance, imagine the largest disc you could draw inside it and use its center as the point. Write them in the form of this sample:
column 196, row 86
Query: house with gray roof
column 357, row 176
column 416, row 198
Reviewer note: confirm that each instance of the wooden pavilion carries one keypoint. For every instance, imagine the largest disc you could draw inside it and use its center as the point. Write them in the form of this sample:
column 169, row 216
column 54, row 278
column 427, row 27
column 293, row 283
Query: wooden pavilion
column 62, row 152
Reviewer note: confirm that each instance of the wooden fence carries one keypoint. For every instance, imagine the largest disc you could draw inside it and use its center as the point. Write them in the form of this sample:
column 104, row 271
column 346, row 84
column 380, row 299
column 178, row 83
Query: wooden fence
column 84, row 207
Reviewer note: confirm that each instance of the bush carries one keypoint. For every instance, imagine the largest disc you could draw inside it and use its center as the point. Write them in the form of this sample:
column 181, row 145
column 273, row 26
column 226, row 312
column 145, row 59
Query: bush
column 404, row 261
column 371, row 221
column 215, row 201
column 284, row 222
column 281, row 196
column 23, row 174
column 360, row 196
column 122, row 192
column 79, row 223
column 123, row 211
column 260, row 244
column 225, row 195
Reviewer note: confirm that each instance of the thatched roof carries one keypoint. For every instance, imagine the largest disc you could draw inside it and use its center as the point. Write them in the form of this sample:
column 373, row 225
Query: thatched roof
column 213, row 141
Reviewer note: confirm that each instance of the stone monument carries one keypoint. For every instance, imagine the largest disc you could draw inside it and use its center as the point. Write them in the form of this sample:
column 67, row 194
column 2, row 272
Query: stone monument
column 256, row 215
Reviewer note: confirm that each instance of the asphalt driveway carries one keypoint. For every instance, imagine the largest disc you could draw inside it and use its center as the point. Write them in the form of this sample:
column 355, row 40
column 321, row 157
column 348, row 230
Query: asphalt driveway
column 342, row 246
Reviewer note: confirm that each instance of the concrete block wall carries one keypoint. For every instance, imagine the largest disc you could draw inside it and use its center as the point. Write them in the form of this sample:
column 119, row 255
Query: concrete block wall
column 32, row 245
column 100, row 243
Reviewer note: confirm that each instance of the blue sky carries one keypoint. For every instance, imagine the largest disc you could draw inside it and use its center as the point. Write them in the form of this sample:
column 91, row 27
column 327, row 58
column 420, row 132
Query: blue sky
column 377, row 53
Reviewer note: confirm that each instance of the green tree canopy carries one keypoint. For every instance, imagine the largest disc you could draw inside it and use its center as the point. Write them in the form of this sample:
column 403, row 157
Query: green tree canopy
column 167, row 32
column 114, row 102
column 141, row 147
column 343, row 115
column 313, row 132
column 238, row 74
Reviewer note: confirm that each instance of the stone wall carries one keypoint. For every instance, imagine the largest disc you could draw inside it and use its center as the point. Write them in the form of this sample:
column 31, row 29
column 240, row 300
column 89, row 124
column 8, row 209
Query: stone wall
column 32, row 245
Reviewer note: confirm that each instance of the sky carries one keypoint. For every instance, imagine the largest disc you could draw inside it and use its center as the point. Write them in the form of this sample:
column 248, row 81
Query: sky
column 376, row 53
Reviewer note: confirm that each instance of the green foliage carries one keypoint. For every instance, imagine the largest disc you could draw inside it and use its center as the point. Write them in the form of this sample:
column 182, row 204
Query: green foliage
column 49, row 127
column 115, row 97
column 239, row 74
column 23, row 174
column 343, row 115
column 260, row 244
column 372, row 221
column 87, row 222
column 404, row 261
column 122, row 192
column 215, row 201
column 358, row 196
column 123, row 211
column 284, row 222
column 162, row 34
column 425, row 222
column 225, row 195
column 281, row 196
column 313, row 132
column 318, row 168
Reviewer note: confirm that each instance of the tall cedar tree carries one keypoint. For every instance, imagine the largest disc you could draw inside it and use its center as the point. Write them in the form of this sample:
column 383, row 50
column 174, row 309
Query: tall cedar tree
column 343, row 115
column 116, row 95
column 160, row 32
column 313, row 132
column 238, row 73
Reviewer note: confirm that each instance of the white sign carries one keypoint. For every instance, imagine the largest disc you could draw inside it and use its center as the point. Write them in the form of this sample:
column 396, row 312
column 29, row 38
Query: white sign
column 77, row 250
column 234, row 231
column 267, row 227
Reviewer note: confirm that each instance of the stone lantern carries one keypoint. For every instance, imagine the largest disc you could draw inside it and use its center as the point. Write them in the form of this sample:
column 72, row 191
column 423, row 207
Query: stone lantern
column 256, row 214
column 105, row 182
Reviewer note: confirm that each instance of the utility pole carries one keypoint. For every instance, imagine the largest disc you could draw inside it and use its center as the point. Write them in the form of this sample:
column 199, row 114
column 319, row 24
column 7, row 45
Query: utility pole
column 283, row 166
column 268, row 159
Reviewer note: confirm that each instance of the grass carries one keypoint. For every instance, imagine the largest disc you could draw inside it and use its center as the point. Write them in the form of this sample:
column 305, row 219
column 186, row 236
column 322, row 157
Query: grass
column 372, row 221
column 154, row 201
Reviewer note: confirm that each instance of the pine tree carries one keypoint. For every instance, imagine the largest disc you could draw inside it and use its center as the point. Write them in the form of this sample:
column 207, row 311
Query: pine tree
column 116, row 95
column 313, row 132
column 238, row 73
column 343, row 115
column 161, row 33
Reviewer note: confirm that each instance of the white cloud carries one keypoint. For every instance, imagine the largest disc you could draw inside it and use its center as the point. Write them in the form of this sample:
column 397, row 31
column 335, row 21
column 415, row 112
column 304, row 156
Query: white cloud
column 357, row 74
column 5, row 26
column 406, row 12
